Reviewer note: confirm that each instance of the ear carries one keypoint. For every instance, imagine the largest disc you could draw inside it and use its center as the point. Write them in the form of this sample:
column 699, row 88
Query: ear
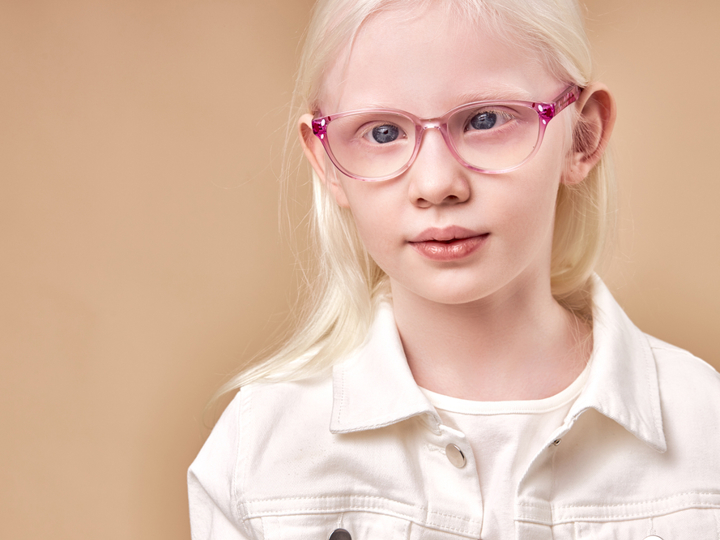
column 315, row 154
column 592, row 131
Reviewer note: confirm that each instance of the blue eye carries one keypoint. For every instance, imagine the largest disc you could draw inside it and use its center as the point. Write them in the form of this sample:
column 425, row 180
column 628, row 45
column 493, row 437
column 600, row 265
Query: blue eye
column 385, row 133
column 483, row 120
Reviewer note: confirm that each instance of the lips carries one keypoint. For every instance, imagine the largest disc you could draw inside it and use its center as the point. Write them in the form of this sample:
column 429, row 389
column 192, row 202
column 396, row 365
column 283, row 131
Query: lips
column 448, row 244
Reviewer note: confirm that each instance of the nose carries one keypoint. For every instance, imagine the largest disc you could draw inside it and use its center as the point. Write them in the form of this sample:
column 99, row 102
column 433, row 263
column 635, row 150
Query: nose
column 436, row 177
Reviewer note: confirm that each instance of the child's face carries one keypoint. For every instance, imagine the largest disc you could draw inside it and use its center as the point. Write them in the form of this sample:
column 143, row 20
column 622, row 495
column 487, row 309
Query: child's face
column 426, row 64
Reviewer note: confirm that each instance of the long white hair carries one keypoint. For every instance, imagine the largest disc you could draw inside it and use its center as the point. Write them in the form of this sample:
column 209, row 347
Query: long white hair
column 347, row 283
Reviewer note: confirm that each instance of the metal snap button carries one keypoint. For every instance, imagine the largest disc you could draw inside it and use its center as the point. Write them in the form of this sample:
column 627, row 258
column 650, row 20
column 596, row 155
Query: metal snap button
column 340, row 534
column 455, row 455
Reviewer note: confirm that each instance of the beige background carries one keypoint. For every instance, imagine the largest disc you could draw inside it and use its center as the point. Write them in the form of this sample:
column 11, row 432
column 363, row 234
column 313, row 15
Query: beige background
column 141, row 254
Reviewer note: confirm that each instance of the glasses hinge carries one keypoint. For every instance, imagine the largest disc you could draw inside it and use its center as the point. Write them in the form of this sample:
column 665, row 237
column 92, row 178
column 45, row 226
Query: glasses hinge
column 546, row 111
column 319, row 127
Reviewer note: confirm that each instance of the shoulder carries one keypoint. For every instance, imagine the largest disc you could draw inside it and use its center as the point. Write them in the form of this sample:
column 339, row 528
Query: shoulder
column 284, row 405
column 265, row 418
column 250, row 451
column 689, row 390
column 679, row 371
column 264, row 410
column 212, row 478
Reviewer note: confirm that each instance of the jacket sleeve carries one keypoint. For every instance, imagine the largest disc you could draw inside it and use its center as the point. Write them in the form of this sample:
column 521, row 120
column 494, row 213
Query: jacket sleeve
column 212, row 483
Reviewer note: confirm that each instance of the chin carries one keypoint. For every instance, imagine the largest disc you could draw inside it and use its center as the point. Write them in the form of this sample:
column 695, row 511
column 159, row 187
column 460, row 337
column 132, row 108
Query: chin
column 452, row 294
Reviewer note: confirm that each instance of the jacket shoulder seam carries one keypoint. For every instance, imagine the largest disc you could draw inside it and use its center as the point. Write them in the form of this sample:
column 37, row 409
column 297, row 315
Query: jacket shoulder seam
column 239, row 473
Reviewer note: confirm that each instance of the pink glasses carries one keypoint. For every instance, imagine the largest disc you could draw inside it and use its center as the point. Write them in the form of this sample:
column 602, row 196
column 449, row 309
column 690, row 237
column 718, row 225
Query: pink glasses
column 490, row 137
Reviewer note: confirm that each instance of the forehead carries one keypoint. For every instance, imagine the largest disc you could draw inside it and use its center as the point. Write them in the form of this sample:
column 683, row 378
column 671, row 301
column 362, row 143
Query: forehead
column 429, row 61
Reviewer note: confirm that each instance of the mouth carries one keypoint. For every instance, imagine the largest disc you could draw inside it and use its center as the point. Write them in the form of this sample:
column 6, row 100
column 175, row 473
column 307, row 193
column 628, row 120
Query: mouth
column 448, row 244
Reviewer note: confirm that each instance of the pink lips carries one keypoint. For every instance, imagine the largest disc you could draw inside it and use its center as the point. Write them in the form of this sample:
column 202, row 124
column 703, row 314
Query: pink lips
column 448, row 244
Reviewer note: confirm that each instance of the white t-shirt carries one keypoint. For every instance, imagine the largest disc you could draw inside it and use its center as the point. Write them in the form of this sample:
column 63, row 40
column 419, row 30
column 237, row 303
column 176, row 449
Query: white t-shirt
column 504, row 436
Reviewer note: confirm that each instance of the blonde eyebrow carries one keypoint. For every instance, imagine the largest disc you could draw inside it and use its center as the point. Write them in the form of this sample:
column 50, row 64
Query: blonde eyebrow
column 495, row 94
column 500, row 93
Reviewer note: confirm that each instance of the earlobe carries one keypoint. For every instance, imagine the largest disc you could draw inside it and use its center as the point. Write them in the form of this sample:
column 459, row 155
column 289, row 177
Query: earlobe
column 591, row 133
column 315, row 154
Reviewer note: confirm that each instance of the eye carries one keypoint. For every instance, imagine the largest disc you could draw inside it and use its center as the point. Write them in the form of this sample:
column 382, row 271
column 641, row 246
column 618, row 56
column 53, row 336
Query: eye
column 488, row 119
column 483, row 120
column 385, row 133
column 377, row 130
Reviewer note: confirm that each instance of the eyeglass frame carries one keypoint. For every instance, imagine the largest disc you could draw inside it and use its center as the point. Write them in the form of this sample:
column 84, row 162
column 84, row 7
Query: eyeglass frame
column 546, row 111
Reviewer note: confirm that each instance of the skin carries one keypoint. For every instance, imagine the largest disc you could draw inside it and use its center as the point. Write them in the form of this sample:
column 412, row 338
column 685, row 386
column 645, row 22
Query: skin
column 483, row 327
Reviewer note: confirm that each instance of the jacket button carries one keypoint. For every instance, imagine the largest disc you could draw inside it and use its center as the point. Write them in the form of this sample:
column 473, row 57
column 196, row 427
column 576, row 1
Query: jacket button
column 653, row 537
column 340, row 534
column 455, row 455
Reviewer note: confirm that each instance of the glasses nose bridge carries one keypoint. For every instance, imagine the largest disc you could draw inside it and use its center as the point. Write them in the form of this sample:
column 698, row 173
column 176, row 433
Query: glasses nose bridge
column 433, row 123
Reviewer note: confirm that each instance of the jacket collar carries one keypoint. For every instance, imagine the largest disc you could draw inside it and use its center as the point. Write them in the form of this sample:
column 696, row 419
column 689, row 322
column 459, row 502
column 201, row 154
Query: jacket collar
column 374, row 388
column 623, row 382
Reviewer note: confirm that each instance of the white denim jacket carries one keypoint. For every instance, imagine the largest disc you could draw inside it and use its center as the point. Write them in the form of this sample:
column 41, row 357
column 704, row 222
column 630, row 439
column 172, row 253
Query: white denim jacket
column 363, row 450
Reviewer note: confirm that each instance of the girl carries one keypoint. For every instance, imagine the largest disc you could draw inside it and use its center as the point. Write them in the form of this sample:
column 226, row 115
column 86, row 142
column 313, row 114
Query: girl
column 464, row 373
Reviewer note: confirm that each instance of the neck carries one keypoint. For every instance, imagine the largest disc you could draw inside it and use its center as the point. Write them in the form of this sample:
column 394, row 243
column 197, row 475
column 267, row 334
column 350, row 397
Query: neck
column 515, row 345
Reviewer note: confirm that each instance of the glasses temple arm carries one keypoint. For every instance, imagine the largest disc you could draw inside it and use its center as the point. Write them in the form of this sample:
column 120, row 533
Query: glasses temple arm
column 569, row 96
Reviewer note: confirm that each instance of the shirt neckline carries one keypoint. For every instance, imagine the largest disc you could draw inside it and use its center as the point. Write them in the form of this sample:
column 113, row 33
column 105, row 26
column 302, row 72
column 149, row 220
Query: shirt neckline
column 530, row 406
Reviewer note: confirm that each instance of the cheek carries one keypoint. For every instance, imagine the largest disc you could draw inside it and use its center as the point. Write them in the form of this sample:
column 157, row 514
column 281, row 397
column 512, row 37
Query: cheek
column 376, row 213
column 380, row 238
column 547, row 169
column 526, row 204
